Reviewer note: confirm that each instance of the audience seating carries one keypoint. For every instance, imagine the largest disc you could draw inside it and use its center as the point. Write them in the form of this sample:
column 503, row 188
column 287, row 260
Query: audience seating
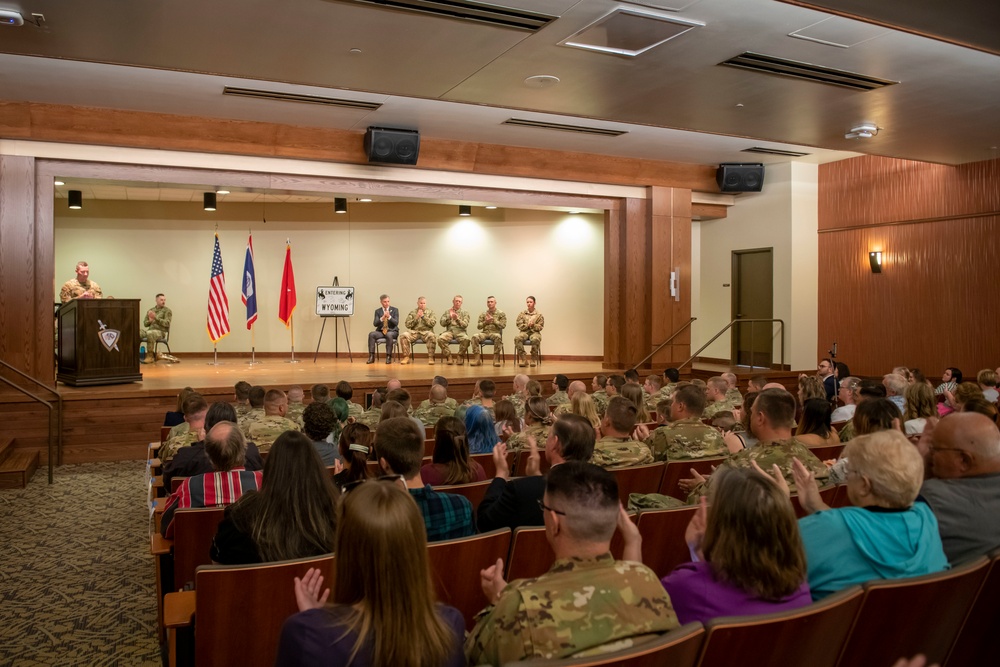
column 520, row 467
column 486, row 460
column 827, row 494
column 662, row 531
column 638, row 479
column 678, row 470
column 474, row 491
column 429, row 446
column 840, row 498
column 455, row 566
column 194, row 530
column 827, row 452
column 979, row 635
column 809, row 636
column 531, row 555
column 164, row 432
column 238, row 611
column 921, row 614
column 677, row 648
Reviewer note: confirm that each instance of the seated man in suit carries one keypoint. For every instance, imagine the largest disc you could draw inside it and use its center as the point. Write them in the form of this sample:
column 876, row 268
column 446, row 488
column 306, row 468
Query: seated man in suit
column 193, row 460
column 587, row 601
column 510, row 503
column 386, row 323
column 226, row 449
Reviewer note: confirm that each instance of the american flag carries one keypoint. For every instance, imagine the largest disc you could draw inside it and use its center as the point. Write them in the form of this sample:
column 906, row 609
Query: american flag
column 218, row 302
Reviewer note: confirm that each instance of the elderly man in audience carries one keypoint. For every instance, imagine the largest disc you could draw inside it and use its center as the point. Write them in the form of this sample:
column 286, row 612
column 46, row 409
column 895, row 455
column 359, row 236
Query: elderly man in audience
column 587, row 601
column 575, row 387
column 616, row 448
column 345, row 391
column 685, row 436
column 256, row 411
column 195, row 408
column 847, row 395
column 520, row 394
column 193, row 460
column 963, row 454
column 715, row 391
column 265, row 431
column 295, row 404
column 510, row 503
column 400, row 446
column 772, row 418
column 440, row 381
column 226, row 448
column 895, row 386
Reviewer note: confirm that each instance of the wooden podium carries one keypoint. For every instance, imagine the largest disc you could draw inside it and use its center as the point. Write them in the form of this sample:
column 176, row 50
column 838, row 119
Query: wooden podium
column 98, row 342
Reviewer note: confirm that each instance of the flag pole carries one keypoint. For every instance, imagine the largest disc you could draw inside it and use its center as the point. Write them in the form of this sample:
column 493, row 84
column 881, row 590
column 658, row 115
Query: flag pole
column 291, row 325
column 253, row 346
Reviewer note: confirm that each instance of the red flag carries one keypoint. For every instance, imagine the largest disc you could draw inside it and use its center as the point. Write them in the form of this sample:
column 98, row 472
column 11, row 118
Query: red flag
column 286, row 304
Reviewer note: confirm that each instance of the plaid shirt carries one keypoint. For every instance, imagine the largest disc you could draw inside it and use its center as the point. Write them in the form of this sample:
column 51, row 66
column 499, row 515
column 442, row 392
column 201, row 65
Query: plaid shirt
column 212, row 489
column 446, row 515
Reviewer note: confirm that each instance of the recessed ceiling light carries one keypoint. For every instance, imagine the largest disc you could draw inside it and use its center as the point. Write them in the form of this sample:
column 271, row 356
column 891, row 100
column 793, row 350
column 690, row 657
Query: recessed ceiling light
column 222, row 192
column 59, row 182
column 364, row 199
column 490, row 207
column 574, row 213
column 541, row 81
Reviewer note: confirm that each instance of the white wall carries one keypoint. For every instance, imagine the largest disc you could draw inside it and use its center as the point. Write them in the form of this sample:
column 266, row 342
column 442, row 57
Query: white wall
column 783, row 217
column 136, row 249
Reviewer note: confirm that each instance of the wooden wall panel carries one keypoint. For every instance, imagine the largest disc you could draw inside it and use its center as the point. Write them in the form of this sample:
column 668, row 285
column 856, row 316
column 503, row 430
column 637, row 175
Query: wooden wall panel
column 17, row 258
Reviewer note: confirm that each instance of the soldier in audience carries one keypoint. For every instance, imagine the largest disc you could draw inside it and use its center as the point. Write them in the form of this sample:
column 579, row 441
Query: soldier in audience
column 242, row 404
column 345, row 391
column 614, row 385
column 431, row 410
column 616, row 448
column 195, row 408
column 963, row 454
column 320, row 393
column 520, row 394
column 226, row 448
column 491, row 325
column 589, row 599
column 733, row 394
column 274, row 422
column 560, row 383
column 456, row 324
column 295, row 404
column 533, row 388
column 717, row 400
column 371, row 416
column 193, row 460
column 537, row 421
column 575, row 387
column 756, row 383
column 599, row 393
column 482, row 395
column 686, row 437
column 420, row 323
column 400, row 447
column 652, row 387
column 256, row 411
column 632, row 377
column 530, row 323
column 440, row 381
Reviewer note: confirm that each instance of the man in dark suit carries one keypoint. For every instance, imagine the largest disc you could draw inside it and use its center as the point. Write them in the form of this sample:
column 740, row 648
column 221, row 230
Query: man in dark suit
column 510, row 503
column 386, row 323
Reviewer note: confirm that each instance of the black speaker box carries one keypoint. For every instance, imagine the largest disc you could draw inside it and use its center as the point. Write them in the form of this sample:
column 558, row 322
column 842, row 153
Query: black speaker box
column 733, row 177
column 392, row 146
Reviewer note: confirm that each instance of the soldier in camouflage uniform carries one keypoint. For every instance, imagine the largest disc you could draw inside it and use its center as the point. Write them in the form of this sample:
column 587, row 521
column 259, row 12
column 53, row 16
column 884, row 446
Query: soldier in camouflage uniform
column 587, row 603
column 456, row 323
column 651, row 387
column 242, row 404
column 520, row 394
column 264, row 432
column 195, row 409
column 530, row 323
column 560, row 383
column 772, row 417
column 575, row 387
column 732, row 392
column 345, row 391
column 81, row 287
column 686, row 437
column 435, row 407
column 616, row 449
column 420, row 323
column 156, row 326
column 482, row 395
column 491, row 325
column 256, row 411
column 599, row 393
column 716, row 393
column 295, row 404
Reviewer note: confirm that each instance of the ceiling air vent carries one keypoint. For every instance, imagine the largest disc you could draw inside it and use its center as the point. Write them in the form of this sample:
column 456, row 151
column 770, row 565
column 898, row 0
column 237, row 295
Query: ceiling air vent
column 467, row 10
column 306, row 99
column 773, row 151
column 799, row 70
column 579, row 129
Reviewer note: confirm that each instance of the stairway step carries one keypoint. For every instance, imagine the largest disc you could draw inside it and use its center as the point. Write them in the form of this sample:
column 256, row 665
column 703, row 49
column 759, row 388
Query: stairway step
column 6, row 448
column 17, row 469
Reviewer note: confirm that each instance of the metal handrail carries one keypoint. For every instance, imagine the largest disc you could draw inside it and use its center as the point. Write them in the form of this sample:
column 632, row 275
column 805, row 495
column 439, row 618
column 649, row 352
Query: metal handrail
column 660, row 346
column 753, row 352
column 47, row 404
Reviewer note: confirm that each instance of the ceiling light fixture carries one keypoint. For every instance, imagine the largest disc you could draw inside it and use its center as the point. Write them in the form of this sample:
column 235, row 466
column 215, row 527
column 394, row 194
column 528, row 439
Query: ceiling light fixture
column 340, row 204
column 59, row 182
column 464, row 210
column 365, row 199
column 863, row 131
column 491, row 208
column 222, row 192
column 209, row 201
column 75, row 199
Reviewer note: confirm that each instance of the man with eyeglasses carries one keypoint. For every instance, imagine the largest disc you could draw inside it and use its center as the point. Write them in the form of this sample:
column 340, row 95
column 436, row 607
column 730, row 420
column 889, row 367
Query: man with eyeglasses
column 963, row 455
column 587, row 599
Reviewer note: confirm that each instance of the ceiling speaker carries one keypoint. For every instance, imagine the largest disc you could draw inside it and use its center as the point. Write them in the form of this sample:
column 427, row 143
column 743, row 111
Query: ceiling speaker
column 733, row 177
column 392, row 146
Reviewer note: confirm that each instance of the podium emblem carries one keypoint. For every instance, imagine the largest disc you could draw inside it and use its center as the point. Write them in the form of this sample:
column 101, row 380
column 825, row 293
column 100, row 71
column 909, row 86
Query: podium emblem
column 109, row 337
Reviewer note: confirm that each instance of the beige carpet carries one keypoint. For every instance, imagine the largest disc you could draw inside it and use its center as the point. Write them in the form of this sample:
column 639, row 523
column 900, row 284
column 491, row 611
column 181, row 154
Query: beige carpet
column 76, row 577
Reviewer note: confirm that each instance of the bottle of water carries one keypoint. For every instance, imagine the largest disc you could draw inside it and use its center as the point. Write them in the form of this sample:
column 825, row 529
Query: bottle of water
column 142, row 351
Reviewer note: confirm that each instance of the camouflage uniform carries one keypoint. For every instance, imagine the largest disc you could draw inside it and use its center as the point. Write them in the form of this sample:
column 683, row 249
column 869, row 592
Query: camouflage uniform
column 780, row 452
column 847, row 433
column 450, row 402
column 242, row 409
column 519, row 441
column 562, row 409
column 518, row 402
column 169, row 449
column 734, row 396
column 74, row 289
column 529, row 326
column 612, row 453
column 155, row 331
column 464, row 407
column 354, row 409
column 295, row 412
column 429, row 414
column 454, row 329
column 253, row 415
column 369, row 417
column 263, row 433
column 600, row 401
column 179, row 429
column 558, row 398
column 715, row 407
column 580, row 607
column 686, row 439
column 492, row 330
column 419, row 330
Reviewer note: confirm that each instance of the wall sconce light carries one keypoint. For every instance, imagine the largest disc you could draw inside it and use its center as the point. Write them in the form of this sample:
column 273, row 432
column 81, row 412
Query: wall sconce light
column 209, row 201
column 340, row 204
column 875, row 259
column 75, row 199
column 464, row 210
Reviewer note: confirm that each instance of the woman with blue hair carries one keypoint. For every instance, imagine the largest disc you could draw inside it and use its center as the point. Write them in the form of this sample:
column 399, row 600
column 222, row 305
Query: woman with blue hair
column 480, row 431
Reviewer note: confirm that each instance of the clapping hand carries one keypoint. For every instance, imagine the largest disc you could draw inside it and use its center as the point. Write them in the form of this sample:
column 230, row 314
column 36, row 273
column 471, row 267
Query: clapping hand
column 695, row 532
column 500, row 461
column 307, row 590
column 631, row 536
column 492, row 581
column 688, row 485
column 534, row 465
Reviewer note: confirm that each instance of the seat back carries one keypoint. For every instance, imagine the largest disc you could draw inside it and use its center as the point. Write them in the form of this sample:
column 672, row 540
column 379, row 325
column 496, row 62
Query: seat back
column 531, row 555
column 638, row 479
column 827, row 494
column 521, row 466
column 827, row 452
column 455, row 566
column 474, row 491
column 678, row 470
column 677, row 648
column 978, row 636
column 938, row 604
column 663, row 544
column 811, row 635
column 239, row 610
column 194, row 530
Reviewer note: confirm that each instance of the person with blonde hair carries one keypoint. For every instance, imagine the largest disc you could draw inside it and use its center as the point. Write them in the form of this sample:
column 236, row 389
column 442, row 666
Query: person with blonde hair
column 637, row 397
column 920, row 405
column 962, row 394
column 583, row 405
column 383, row 610
column 987, row 379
